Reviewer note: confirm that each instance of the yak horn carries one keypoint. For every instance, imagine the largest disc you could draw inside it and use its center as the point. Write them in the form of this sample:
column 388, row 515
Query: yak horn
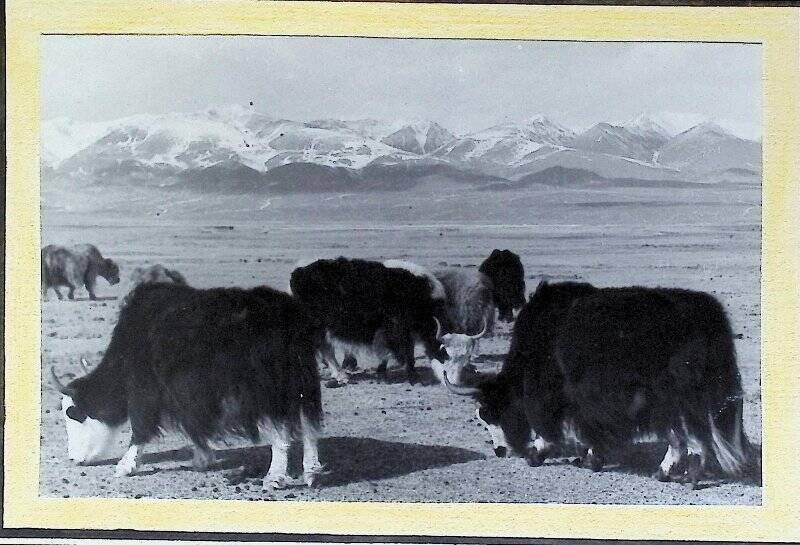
column 482, row 333
column 85, row 365
column 438, row 328
column 460, row 390
column 61, row 388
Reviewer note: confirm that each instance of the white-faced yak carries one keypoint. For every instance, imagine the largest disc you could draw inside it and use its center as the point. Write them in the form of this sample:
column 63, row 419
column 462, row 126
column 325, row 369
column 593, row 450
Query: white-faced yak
column 209, row 363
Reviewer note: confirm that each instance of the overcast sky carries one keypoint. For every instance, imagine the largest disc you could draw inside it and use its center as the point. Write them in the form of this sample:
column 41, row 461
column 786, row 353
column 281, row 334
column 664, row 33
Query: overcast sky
column 463, row 85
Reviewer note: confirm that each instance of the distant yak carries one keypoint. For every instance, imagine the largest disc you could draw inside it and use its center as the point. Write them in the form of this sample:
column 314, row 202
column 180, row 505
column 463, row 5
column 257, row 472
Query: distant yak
column 75, row 267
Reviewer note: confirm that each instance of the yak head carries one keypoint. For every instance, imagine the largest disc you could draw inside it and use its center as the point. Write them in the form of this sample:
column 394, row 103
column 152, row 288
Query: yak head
column 504, row 269
column 110, row 271
column 89, row 439
column 434, row 347
column 460, row 347
column 499, row 412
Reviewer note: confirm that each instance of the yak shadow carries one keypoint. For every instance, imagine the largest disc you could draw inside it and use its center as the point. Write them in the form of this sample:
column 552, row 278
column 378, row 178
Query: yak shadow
column 358, row 459
column 348, row 460
column 643, row 459
column 82, row 299
column 395, row 375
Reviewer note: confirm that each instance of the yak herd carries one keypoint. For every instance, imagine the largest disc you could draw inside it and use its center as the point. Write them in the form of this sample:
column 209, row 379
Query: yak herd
column 604, row 365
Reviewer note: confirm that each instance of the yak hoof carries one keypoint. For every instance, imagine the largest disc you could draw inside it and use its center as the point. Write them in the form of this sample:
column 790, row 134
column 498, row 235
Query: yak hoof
column 534, row 458
column 694, row 470
column 202, row 459
column 125, row 467
column 661, row 476
column 277, row 482
column 313, row 479
column 593, row 462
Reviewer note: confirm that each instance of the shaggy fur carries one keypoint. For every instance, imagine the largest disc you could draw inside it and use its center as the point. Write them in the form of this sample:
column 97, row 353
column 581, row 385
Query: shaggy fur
column 211, row 362
column 469, row 301
column 505, row 270
column 616, row 363
column 368, row 304
column 75, row 267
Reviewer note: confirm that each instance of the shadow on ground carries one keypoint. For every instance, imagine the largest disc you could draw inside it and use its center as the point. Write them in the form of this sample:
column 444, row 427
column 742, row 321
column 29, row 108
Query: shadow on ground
column 348, row 459
column 356, row 459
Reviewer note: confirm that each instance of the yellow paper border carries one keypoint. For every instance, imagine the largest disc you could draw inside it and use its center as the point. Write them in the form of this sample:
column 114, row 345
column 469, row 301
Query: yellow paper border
column 775, row 28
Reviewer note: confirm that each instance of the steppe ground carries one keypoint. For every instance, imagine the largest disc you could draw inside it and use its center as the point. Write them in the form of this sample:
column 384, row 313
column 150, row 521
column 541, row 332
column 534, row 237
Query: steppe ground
column 395, row 442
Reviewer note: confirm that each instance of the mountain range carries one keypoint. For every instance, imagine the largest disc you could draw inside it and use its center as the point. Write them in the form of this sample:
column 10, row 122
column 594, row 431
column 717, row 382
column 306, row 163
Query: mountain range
column 234, row 149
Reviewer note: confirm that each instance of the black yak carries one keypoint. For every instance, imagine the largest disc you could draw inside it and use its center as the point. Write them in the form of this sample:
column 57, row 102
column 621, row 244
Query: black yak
column 210, row 363
column 615, row 363
column 364, row 304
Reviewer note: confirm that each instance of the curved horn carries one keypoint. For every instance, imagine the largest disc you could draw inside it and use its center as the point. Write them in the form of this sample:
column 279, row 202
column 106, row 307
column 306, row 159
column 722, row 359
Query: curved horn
column 61, row 388
column 438, row 328
column 460, row 390
column 482, row 333
column 85, row 365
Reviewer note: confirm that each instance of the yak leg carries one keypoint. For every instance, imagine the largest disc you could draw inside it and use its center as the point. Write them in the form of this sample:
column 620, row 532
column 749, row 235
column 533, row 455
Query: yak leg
column 312, row 467
column 327, row 356
column 202, row 457
column 90, row 282
column 675, row 451
column 593, row 460
column 71, row 293
column 128, row 463
column 349, row 362
column 400, row 344
column 58, row 293
column 278, row 474
column 145, row 419
column 539, row 451
column 698, row 445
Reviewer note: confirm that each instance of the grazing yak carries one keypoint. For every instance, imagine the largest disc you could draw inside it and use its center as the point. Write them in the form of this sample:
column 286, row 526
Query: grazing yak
column 150, row 275
column 364, row 304
column 473, row 297
column 210, row 363
column 75, row 267
column 615, row 363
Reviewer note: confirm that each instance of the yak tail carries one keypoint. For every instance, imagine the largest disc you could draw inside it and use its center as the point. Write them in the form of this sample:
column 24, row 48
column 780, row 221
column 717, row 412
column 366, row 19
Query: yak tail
column 730, row 444
column 728, row 440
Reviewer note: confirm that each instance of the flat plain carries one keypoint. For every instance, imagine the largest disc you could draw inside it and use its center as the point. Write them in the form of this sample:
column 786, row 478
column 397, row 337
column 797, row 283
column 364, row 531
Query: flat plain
column 396, row 442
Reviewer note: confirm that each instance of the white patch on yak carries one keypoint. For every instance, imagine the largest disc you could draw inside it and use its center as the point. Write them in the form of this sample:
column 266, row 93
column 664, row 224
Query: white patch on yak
column 437, row 289
column 88, row 441
column 495, row 431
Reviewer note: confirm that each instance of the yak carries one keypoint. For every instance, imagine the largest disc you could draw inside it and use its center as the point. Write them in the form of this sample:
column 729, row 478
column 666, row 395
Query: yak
column 613, row 364
column 209, row 363
column 364, row 304
column 75, row 267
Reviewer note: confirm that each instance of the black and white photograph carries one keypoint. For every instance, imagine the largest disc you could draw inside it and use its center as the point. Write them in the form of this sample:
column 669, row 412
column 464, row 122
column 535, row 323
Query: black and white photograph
column 400, row 270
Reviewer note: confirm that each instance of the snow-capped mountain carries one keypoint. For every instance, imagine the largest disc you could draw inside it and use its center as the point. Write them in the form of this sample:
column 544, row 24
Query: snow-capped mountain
column 619, row 141
column 237, row 149
column 506, row 144
column 420, row 137
column 708, row 148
